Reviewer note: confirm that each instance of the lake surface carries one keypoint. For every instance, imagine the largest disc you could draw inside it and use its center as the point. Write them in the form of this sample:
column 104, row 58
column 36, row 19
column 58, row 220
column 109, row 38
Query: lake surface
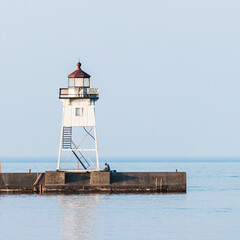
column 209, row 210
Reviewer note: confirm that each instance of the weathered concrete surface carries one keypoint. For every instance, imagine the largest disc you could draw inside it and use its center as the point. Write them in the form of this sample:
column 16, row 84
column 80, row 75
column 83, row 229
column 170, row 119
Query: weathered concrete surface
column 18, row 179
column 54, row 177
column 99, row 178
column 167, row 181
column 111, row 182
column 19, row 182
column 77, row 178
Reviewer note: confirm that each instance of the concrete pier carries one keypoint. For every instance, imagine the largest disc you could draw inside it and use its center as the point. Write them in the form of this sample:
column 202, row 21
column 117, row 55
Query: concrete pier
column 93, row 182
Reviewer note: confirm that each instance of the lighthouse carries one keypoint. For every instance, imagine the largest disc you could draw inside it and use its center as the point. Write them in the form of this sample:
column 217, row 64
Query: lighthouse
column 78, row 140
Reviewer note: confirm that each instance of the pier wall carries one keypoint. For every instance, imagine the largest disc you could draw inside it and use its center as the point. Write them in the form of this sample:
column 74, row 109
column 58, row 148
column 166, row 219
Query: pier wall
column 20, row 182
column 112, row 182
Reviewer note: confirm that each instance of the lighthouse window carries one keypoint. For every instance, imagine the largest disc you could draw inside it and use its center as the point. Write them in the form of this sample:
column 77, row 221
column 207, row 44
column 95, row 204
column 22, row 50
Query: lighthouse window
column 71, row 82
column 86, row 82
column 79, row 111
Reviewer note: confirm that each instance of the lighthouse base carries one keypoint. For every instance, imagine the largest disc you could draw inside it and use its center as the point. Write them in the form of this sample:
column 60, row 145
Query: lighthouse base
column 78, row 170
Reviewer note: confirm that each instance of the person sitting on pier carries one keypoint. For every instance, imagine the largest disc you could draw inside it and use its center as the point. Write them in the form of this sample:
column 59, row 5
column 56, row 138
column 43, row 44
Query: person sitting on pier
column 107, row 167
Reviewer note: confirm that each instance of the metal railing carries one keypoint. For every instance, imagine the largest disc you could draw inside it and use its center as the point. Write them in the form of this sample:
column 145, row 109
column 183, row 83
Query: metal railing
column 91, row 94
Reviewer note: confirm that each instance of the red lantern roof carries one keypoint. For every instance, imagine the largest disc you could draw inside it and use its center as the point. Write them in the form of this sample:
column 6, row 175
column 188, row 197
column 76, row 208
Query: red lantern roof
column 79, row 73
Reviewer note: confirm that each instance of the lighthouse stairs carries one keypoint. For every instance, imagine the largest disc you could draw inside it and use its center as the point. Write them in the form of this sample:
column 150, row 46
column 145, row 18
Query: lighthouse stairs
column 68, row 144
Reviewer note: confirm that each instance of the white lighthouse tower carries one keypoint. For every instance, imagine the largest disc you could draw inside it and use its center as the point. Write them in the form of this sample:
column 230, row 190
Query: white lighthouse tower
column 78, row 130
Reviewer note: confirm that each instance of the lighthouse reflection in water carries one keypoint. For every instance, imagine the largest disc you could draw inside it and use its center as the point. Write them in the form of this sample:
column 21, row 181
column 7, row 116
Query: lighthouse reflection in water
column 78, row 216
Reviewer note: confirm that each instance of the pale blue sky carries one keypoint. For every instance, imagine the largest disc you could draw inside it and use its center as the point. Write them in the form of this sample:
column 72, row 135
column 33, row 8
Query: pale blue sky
column 168, row 73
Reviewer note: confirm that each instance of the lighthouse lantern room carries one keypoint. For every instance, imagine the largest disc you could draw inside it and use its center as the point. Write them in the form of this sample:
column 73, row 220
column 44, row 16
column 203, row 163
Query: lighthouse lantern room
column 78, row 140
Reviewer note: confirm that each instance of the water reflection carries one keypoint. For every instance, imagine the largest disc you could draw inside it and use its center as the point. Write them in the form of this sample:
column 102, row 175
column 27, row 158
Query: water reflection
column 78, row 217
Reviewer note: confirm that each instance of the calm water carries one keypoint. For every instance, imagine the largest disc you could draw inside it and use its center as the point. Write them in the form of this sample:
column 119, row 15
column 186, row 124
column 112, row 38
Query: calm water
column 209, row 210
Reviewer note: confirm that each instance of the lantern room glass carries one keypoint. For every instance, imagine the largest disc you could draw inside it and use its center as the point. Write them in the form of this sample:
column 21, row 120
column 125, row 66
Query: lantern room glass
column 71, row 82
column 86, row 82
column 78, row 82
